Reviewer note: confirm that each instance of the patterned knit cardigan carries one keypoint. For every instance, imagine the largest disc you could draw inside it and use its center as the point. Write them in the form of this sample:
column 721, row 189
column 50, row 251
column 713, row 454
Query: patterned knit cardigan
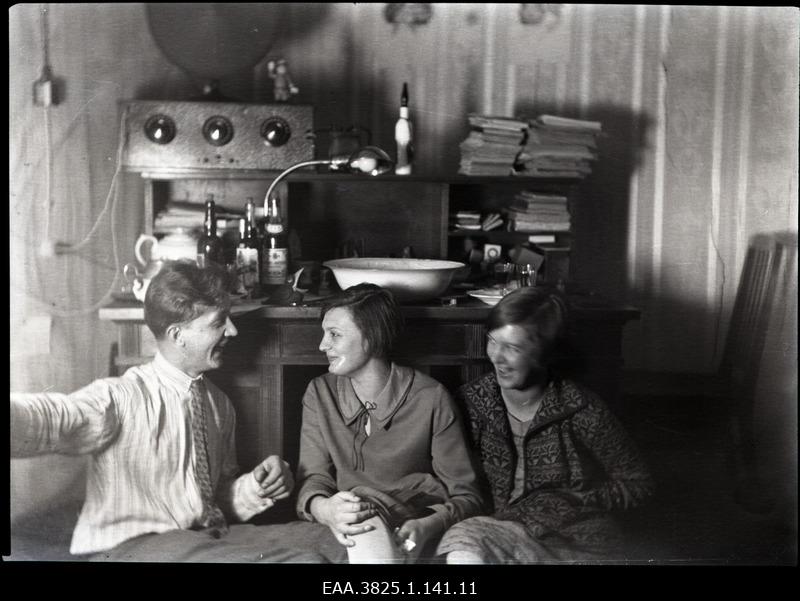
column 580, row 464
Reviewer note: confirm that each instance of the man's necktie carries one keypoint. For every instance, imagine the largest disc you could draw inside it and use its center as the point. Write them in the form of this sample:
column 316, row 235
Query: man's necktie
column 212, row 514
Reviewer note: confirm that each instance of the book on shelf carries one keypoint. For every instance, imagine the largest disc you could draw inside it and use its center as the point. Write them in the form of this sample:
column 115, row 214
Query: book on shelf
column 545, row 136
column 542, row 238
column 560, row 151
column 523, row 208
column 487, row 161
column 486, row 170
column 538, row 226
column 543, row 216
column 541, row 197
column 496, row 122
column 554, row 163
column 491, row 221
column 528, row 171
column 468, row 226
column 568, row 123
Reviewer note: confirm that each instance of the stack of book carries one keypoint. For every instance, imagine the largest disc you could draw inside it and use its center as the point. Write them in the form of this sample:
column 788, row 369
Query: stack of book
column 466, row 220
column 492, row 146
column 533, row 212
column 190, row 216
column 559, row 147
column 473, row 221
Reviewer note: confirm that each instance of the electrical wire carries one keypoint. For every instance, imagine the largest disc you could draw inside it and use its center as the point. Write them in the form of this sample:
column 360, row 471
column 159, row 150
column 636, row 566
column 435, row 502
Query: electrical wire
column 43, row 22
column 120, row 146
column 110, row 201
column 110, row 204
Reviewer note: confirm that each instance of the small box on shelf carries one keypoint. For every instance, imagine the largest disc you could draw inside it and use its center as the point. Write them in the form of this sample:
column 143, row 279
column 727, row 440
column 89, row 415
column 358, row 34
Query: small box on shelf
column 556, row 262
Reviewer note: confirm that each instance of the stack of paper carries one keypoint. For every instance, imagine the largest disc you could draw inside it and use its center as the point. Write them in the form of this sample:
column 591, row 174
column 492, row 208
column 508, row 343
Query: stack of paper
column 559, row 147
column 466, row 220
column 492, row 145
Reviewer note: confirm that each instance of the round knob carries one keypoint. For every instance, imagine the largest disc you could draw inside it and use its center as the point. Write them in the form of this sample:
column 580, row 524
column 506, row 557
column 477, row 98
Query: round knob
column 160, row 129
column 275, row 131
column 218, row 131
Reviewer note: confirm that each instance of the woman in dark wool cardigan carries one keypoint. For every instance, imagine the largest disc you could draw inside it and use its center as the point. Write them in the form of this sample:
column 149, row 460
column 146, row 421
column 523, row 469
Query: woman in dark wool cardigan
column 557, row 461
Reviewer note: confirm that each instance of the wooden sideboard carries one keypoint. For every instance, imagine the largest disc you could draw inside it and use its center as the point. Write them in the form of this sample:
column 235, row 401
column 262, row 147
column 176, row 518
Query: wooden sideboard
column 276, row 354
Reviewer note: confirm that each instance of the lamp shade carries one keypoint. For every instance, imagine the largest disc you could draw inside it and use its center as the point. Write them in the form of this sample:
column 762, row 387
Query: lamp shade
column 369, row 160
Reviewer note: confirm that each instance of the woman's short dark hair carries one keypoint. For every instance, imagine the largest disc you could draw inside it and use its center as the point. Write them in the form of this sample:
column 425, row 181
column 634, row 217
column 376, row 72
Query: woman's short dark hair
column 544, row 314
column 182, row 291
column 375, row 312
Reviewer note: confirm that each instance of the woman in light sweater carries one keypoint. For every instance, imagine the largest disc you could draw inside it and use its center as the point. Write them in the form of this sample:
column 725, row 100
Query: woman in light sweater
column 384, row 462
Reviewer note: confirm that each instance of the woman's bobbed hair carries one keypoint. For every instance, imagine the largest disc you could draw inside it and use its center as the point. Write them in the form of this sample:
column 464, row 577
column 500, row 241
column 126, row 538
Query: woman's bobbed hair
column 544, row 314
column 375, row 312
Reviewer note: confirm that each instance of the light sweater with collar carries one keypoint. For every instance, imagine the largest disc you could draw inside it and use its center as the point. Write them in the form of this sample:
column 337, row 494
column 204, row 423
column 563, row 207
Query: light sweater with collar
column 137, row 428
column 416, row 444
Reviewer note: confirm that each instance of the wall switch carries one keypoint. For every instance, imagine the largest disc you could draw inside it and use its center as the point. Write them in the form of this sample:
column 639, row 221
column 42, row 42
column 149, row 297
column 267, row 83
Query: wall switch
column 43, row 93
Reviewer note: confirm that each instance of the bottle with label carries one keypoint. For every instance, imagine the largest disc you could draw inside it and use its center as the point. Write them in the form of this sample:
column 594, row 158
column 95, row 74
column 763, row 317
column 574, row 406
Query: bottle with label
column 209, row 246
column 274, row 251
column 403, row 136
column 247, row 253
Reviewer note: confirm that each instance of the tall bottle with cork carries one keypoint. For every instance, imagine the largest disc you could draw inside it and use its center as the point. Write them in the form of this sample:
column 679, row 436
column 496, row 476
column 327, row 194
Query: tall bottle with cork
column 209, row 246
column 274, row 250
column 403, row 135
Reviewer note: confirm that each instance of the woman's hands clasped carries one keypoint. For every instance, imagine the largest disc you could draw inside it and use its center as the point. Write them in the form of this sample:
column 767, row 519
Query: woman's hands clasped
column 343, row 514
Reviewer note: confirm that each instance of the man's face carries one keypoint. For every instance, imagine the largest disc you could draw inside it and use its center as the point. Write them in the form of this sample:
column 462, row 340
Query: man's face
column 203, row 339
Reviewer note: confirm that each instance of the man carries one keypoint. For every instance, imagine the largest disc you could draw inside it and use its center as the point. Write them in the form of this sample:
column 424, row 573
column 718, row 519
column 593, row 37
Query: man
column 163, row 482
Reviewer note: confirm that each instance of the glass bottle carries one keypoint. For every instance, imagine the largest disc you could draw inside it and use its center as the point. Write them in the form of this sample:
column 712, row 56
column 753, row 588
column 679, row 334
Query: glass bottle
column 247, row 252
column 274, row 251
column 403, row 135
column 209, row 246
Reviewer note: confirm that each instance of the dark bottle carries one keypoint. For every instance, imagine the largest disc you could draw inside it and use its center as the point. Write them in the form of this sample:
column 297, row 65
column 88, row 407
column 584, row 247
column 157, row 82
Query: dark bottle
column 247, row 252
column 274, row 251
column 209, row 246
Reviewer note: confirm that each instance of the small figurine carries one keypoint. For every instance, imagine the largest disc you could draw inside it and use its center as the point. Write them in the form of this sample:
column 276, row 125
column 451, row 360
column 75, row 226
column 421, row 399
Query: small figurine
column 537, row 14
column 412, row 14
column 284, row 88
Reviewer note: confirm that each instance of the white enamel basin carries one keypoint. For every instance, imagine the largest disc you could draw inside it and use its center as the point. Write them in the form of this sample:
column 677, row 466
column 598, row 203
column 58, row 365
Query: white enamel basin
column 408, row 279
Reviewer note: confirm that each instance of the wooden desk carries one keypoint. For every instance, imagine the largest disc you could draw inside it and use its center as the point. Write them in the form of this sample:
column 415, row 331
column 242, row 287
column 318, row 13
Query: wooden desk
column 276, row 354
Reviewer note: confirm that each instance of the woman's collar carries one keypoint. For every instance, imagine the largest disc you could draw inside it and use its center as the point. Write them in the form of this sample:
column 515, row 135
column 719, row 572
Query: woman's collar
column 385, row 404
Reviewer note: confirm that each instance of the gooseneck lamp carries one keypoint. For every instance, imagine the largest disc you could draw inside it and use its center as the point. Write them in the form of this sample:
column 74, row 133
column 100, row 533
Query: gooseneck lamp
column 369, row 160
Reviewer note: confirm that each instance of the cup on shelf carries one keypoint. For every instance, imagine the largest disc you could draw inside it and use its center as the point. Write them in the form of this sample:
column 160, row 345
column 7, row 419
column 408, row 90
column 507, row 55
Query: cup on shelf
column 525, row 274
column 505, row 276
column 514, row 275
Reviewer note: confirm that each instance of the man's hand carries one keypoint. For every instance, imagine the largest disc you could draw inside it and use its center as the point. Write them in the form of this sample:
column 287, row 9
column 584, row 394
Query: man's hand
column 343, row 514
column 274, row 478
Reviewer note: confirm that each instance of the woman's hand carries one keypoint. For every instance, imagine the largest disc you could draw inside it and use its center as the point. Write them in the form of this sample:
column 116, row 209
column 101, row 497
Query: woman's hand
column 342, row 513
column 414, row 534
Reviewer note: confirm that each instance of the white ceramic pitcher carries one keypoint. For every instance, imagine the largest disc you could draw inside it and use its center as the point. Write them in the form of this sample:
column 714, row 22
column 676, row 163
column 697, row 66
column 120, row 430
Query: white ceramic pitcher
column 174, row 246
